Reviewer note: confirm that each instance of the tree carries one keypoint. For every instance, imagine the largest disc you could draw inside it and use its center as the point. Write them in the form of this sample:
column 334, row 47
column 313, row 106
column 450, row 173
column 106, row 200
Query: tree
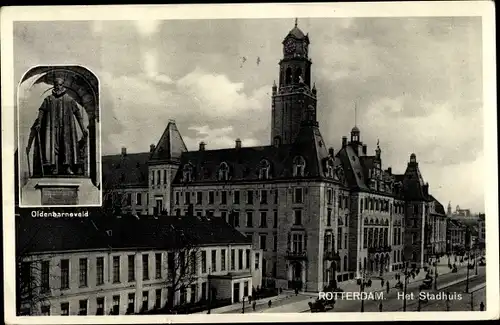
column 182, row 263
column 33, row 275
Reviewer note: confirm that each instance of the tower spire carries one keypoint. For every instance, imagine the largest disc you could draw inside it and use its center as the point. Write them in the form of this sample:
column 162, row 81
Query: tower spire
column 355, row 114
column 296, row 19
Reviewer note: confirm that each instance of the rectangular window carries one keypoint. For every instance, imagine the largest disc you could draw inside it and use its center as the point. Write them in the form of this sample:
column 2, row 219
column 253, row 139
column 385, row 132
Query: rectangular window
column 187, row 198
column 158, row 177
column 131, row 268
column 214, row 260
column 129, row 199
column 262, row 241
column 83, row 307
column 116, row 269
column 329, row 196
column 158, row 265
column 249, row 197
column 193, row 293
column 345, row 241
column 233, row 259
column 298, row 195
column 100, row 271
column 263, row 219
column 275, row 243
column 145, row 266
column 100, row 306
column 223, row 197
column 275, row 219
column 138, row 199
column 245, row 288
column 211, row 197
column 83, row 272
column 164, row 177
column 276, row 196
column 365, row 238
column 158, row 298
column 199, row 197
column 145, row 300
column 170, row 263
column 297, row 243
column 247, row 256
column 263, row 197
column 223, row 260
column 297, row 220
column 64, row 274
column 131, row 303
column 329, row 217
column 116, row 305
column 193, row 263
column 65, row 309
column 257, row 261
column 240, row 259
column 340, row 202
column 153, row 178
column 203, row 261
column 236, row 197
column 249, row 219
column 45, row 310
column 45, row 285
column 339, row 238
column 177, row 198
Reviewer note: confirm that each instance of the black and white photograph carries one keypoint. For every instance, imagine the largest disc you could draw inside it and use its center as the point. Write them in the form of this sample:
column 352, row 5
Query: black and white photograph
column 58, row 111
column 251, row 164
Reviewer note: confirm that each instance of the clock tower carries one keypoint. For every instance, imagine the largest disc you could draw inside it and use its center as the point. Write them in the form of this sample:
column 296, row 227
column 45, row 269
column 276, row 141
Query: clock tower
column 292, row 97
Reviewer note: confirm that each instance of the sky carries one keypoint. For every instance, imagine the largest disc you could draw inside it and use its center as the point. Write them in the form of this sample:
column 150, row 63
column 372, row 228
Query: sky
column 416, row 83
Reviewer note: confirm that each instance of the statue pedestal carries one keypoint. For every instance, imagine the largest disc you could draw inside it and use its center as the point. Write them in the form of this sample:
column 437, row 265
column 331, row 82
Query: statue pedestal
column 60, row 191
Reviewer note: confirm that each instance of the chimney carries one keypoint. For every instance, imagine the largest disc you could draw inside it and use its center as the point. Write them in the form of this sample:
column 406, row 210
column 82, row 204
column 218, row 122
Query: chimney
column 124, row 151
column 365, row 149
column 331, row 152
column 238, row 143
column 344, row 142
column 389, row 170
column 152, row 148
column 202, row 146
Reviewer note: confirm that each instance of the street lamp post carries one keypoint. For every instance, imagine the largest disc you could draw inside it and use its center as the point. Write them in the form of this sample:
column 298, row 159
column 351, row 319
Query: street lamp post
column 243, row 308
column 406, row 282
column 362, row 289
column 475, row 259
column 435, row 275
column 209, row 293
column 467, row 283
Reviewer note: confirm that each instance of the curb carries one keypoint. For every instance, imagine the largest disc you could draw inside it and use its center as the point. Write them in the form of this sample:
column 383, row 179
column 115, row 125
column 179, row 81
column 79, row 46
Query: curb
column 455, row 282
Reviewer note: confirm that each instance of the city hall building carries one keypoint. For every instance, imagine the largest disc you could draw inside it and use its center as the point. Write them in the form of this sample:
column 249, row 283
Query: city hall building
column 318, row 214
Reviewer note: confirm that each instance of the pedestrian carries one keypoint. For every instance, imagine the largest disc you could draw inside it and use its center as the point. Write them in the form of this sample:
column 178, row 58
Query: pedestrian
column 387, row 286
column 269, row 303
column 481, row 306
column 254, row 304
column 380, row 307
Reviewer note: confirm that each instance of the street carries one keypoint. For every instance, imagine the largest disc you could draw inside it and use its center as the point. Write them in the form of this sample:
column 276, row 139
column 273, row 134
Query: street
column 392, row 303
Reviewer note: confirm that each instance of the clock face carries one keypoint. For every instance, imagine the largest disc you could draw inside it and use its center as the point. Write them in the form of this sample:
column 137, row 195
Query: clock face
column 289, row 46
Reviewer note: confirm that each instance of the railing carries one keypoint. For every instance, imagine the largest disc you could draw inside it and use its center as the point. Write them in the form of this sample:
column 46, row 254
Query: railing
column 379, row 249
column 331, row 256
column 296, row 255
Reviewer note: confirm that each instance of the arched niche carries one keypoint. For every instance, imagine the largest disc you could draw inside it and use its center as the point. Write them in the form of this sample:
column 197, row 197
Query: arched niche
column 82, row 85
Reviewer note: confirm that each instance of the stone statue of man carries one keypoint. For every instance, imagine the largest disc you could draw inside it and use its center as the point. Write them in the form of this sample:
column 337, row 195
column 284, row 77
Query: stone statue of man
column 57, row 143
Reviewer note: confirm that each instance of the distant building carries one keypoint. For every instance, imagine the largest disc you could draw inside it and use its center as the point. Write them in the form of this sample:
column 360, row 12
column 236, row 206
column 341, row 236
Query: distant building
column 455, row 236
column 436, row 238
column 75, row 267
column 458, row 212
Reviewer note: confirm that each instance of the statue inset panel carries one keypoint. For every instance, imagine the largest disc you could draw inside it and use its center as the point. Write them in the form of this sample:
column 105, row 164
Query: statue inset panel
column 59, row 132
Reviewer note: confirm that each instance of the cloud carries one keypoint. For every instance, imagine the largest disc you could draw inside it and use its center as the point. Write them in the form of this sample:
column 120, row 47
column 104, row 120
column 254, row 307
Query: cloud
column 219, row 96
column 215, row 138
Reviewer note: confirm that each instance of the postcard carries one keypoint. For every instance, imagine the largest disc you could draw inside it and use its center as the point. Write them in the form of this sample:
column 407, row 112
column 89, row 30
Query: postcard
column 249, row 162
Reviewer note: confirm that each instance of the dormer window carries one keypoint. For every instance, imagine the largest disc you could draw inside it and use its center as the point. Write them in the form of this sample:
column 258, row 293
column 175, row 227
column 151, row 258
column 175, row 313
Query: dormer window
column 299, row 165
column 330, row 168
column 187, row 173
column 264, row 169
column 223, row 172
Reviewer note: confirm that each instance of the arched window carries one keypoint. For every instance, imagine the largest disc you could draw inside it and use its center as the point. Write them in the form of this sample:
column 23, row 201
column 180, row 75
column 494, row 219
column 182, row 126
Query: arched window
column 187, row 173
column 264, row 169
column 288, row 76
column 376, row 237
column 223, row 172
column 299, row 165
column 345, row 263
column 298, row 75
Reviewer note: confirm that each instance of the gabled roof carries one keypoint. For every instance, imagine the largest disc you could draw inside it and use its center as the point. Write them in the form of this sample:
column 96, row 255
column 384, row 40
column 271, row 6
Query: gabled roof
column 353, row 168
column 297, row 33
column 438, row 207
column 44, row 235
column 413, row 183
column 170, row 146
column 125, row 170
